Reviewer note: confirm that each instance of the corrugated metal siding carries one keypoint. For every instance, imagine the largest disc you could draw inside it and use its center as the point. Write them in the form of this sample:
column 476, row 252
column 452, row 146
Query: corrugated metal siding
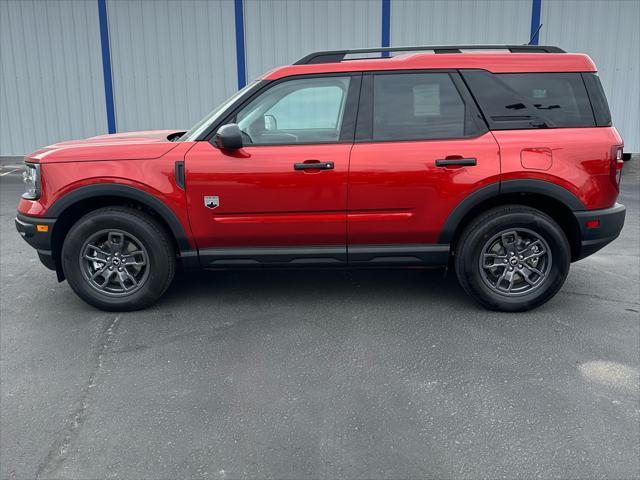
column 51, row 84
column 279, row 32
column 173, row 61
column 608, row 31
column 436, row 22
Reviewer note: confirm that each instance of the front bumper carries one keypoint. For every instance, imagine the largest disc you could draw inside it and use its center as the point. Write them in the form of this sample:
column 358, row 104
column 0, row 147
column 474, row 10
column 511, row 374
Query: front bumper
column 32, row 229
column 610, row 221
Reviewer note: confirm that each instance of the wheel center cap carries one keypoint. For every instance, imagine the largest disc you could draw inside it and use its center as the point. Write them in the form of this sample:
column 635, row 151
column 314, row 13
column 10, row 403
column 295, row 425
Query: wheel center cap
column 116, row 261
column 513, row 260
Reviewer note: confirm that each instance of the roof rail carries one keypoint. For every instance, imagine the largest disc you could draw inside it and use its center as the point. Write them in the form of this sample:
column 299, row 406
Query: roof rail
column 331, row 56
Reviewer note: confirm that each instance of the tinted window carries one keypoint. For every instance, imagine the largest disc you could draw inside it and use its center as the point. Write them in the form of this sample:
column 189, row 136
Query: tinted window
column 598, row 99
column 531, row 100
column 562, row 96
column 502, row 107
column 296, row 111
column 408, row 106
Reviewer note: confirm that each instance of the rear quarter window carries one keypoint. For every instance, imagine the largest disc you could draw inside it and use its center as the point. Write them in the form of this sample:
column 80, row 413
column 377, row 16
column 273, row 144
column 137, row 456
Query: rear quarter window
column 561, row 96
column 598, row 99
column 531, row 100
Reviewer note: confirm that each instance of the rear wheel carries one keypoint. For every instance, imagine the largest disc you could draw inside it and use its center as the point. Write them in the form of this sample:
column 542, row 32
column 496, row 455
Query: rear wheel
column 512, row 258
column 118, row 258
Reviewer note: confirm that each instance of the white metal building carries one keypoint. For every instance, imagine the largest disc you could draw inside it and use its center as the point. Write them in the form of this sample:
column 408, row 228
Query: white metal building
column 76, row 68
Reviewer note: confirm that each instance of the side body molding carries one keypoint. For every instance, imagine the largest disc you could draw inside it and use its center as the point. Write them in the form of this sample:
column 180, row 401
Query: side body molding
column 540, row 187
column 124, row 191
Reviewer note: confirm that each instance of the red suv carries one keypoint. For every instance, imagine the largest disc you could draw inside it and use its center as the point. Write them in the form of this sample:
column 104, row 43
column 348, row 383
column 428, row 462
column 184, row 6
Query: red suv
column 500, row 161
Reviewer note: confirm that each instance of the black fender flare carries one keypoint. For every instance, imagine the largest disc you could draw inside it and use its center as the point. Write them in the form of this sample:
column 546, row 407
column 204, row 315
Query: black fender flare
column 495, row 190
column 123, row 191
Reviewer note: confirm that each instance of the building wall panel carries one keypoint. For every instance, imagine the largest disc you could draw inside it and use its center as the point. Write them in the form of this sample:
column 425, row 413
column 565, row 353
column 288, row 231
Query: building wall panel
column 437, row 22
column 51, row 83
column 279, row 32
column 173, row 61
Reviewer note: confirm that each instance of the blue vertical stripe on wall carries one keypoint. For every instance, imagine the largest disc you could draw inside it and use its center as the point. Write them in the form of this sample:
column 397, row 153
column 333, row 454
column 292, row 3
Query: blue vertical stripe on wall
column 386, row 26
column 240, row 53
column 106, row 66
column 536, row 6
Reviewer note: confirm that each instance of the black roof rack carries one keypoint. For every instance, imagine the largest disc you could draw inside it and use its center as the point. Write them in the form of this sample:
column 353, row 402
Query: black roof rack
column 331, row 56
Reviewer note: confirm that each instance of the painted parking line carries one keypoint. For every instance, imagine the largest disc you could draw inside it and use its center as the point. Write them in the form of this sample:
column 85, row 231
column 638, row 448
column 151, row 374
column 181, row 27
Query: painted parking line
column 10, row 171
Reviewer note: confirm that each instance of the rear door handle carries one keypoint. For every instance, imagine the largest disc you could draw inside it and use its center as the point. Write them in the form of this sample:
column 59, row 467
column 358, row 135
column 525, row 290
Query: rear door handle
column 456, row 162
column 313, row 165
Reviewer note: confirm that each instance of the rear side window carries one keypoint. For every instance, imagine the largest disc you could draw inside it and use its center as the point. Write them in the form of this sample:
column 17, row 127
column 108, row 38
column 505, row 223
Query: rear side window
column 531, row 100
column 417, row 106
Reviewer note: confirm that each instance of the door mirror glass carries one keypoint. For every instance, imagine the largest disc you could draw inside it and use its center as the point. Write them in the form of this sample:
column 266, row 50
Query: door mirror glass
column 228, row 137
column 270, row 123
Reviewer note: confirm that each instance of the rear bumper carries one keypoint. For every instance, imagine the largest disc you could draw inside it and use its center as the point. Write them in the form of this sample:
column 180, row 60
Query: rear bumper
column 40, row 240
column 593, row 239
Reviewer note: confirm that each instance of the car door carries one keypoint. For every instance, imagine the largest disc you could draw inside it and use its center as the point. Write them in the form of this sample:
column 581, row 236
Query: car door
column 421, row 148
column 282, row 197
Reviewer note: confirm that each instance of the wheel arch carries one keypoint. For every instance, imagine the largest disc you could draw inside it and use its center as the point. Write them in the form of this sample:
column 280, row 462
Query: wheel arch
column 70, row 207
column 557, row 202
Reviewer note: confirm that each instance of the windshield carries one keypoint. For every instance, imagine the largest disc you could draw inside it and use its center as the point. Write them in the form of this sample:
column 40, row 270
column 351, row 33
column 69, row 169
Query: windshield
column 195, row 131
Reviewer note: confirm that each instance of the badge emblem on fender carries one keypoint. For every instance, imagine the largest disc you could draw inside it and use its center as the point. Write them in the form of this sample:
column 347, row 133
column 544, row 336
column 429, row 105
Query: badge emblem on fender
column 211, row 202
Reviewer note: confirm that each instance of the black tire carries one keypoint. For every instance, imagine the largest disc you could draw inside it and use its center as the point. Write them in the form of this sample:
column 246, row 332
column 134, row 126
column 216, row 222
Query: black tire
column 133, row 228
column 490, row 232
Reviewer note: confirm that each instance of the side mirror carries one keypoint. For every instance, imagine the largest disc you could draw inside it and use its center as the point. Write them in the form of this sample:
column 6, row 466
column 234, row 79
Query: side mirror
column 228, row 137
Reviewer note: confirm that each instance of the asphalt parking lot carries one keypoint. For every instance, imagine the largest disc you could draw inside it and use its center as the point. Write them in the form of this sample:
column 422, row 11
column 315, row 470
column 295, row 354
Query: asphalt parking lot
column 320, row 374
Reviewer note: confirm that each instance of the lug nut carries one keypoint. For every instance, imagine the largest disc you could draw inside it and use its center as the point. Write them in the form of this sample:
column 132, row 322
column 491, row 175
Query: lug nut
column 120, row 269
column 111, row 267
column 510, row 268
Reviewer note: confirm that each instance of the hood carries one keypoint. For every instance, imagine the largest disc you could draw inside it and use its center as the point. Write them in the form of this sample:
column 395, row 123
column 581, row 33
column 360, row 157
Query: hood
column 118, row 146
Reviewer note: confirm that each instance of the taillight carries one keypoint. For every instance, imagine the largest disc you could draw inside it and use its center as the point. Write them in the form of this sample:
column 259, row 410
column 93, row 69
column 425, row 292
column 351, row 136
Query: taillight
column 616, row 164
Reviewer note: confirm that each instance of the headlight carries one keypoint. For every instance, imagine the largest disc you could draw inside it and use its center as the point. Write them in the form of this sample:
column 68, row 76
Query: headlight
column 31, row 179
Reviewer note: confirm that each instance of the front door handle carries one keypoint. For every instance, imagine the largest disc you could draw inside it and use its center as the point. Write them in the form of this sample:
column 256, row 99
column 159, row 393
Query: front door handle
column 456, row 162
column 313, row 165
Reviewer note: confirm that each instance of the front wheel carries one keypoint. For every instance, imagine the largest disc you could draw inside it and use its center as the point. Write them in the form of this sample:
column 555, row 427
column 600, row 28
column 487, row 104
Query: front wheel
column 512, row 258
column 118, row 259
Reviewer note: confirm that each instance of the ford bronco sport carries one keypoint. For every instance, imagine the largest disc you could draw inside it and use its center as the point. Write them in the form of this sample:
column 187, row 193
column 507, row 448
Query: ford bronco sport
column 500, row 161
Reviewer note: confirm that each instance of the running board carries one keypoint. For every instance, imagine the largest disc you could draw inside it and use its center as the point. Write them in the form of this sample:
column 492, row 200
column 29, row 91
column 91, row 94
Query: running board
column 356, row 255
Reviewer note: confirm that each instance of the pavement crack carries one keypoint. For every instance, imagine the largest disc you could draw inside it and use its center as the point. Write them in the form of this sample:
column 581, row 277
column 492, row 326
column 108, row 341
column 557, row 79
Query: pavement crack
column 60, row 447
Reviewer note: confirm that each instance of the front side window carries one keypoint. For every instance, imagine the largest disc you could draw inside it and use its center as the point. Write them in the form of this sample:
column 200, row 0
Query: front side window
column 308, row 110
column 408, row 106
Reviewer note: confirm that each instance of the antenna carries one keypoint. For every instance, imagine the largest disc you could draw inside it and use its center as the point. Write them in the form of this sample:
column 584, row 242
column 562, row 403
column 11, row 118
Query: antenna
column 535, row 34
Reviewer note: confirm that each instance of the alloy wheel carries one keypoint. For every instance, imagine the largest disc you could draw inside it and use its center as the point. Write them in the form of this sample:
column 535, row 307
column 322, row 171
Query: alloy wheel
column 515, row 262
column 114, row 262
